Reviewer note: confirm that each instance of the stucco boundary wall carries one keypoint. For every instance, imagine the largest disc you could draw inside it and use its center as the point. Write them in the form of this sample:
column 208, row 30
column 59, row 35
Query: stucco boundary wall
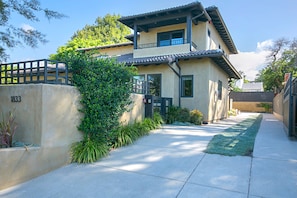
column 47, row 117
column 250, row 106
column 278, row 106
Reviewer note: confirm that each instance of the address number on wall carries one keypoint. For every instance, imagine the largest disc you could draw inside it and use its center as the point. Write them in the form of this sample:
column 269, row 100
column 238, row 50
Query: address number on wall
column 16, row 98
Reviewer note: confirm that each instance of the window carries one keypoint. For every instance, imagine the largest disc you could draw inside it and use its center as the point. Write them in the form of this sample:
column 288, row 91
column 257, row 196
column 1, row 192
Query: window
column 220, row 87
column 154, row 84
column 139, row 77
column 187, row 86
column 139, row 84
column 171, row 38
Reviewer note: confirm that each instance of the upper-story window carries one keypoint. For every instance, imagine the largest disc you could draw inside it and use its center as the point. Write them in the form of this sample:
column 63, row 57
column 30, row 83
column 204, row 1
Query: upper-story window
column 171, row 38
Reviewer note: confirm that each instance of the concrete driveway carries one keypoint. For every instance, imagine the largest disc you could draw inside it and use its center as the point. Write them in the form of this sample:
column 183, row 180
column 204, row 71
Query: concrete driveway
column 170, row 162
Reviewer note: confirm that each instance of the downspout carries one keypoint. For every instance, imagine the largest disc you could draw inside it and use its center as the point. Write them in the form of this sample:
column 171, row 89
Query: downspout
column 170, row 61
column 180, row 83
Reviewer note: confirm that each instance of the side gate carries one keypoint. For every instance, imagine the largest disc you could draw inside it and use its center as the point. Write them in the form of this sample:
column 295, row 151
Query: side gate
column 159, row 104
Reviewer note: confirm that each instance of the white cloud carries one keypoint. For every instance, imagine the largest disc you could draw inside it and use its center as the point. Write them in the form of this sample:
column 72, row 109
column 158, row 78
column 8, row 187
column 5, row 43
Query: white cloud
column 252, row 62
column 262, row 46
column 27, row 27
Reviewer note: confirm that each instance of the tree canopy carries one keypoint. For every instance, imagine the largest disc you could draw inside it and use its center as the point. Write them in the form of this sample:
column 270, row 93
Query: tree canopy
column 283, row 60
column 105, row 31
column 11, row 36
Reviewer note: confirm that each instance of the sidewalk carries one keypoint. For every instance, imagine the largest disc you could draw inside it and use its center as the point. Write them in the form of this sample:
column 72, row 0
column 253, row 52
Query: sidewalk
column 171, row 163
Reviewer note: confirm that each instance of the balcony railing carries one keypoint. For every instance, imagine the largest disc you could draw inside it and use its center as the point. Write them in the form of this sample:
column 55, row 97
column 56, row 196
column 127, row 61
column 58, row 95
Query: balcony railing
column 173, row 42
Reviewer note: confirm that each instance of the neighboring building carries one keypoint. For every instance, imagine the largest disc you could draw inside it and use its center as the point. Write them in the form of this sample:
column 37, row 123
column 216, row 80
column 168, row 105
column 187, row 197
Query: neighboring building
column 253, row 87
column 183, row 53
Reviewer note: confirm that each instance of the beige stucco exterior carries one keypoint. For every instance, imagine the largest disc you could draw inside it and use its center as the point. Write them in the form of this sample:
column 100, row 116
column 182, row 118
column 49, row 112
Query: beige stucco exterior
column 214, row 41
column 206, row 76
column 135, row 111
column 115, row 51
column 251, row 106
column 47, row 117
column 206, row 73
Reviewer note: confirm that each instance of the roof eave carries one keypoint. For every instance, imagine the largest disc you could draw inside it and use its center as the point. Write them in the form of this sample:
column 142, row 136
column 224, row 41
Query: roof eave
column 231, row 46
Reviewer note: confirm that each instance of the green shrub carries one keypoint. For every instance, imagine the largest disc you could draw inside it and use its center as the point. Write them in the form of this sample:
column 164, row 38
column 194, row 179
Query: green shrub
column 183, row 115
column 177, row 114
column 105, row 88
column 7, row 129
column 125, row 135
column 172, row 114
column 158, row 120
column 196, row 117
column 89, row 150
column 232, row 112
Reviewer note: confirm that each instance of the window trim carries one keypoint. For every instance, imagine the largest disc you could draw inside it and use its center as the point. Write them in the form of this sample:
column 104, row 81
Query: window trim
column 220, row 89
column 148, row 83
column 182, row 94
column 170, row 33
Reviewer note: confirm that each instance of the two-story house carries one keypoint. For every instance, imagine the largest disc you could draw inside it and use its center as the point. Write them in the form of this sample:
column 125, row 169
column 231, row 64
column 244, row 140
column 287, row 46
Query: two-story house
column 182, row 52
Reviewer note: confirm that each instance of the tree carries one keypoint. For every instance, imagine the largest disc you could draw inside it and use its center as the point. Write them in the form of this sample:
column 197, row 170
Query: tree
column 11, row 36
column 105, row 31
column 284, row 59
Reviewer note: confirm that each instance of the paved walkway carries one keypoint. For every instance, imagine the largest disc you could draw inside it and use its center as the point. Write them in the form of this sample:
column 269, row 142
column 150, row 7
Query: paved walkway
column 171, row 163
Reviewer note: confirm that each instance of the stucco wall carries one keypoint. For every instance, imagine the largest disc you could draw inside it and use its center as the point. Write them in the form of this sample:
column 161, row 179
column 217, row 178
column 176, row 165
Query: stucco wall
column 51, row 109
column 135, row 111
column 114, row 51
column 47, row 116
column 215, row 39
column 278, row 106
column 169, row 80
column 218, row 108
column 206, row 76
column 250, row 106
column 160, row 51
column 205, row 86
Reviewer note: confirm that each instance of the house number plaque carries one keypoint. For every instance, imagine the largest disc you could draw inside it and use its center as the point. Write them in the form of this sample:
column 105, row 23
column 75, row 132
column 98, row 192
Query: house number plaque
column 16, row 98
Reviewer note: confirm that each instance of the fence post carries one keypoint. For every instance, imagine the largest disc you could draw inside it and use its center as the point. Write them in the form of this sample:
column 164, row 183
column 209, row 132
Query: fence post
column 163, row 107
column 148, row 99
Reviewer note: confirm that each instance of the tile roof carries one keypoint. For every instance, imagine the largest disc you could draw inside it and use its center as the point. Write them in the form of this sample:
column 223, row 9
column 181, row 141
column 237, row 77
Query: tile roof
column 177, row 15
column 253, row 86
column 216, row 55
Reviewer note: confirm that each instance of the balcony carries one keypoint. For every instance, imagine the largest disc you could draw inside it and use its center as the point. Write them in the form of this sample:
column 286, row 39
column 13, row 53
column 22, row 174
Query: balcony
column 153, row 49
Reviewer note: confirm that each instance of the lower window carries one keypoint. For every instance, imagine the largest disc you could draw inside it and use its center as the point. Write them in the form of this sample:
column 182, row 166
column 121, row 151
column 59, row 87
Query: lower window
column 220, row 89
column 187, row 86
column 154, row 84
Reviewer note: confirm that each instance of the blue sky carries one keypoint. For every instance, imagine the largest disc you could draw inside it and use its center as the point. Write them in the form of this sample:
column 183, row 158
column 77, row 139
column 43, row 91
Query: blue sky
column 252, row 24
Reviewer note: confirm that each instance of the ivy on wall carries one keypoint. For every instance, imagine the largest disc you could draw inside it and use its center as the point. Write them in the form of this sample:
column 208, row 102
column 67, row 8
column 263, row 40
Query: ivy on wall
column 105, row 88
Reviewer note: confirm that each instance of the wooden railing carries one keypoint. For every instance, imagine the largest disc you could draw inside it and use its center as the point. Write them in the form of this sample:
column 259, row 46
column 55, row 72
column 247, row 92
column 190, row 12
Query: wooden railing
column 36, row 71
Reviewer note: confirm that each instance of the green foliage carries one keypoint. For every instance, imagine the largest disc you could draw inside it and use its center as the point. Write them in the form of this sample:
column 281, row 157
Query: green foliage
column 183, row 115
column 284, row 61
column 158, row 120
column 233, row 86
column 196, row 117
column 172, row 114
column 178, row 114
column 236, row 140
column 267, row 107
column 11, row 36
column 105, row 88
column 7, row 129
column 105, row 31
column 232, row 112
column 126, row 135
column 89, row 150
